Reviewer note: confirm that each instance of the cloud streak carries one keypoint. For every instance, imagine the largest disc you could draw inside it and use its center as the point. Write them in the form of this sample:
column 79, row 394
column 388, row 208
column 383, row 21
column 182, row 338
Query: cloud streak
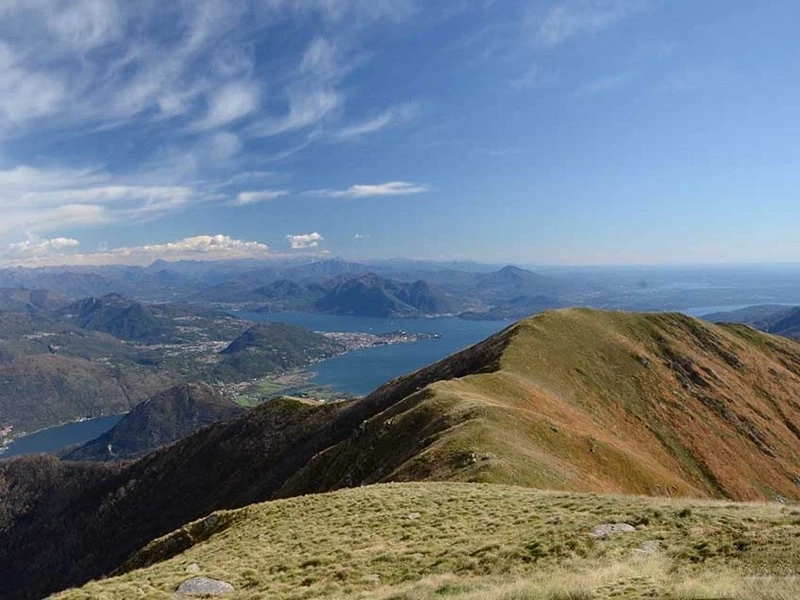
column 565, row 20
column 37, row 200
column 396, row 115
column 391, row 188
column 245, row 198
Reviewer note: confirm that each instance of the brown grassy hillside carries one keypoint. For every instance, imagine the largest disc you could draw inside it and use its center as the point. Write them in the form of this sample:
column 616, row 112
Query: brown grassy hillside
column 426, row 541
column 585, row 400
column 573, row 400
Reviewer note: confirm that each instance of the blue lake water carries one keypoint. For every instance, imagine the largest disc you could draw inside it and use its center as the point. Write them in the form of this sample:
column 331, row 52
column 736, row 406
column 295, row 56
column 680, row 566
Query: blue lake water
column 55, row 438
column 358, row 372
column 362, row 371
column 702, row 311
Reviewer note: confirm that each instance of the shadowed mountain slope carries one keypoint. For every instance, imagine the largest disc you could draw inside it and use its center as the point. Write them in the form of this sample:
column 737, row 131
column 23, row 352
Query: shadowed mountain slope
column 118, row 316
column 270, row 347
column 372, row 296
column 575, row 400
column 34, row 302
column 772, row 318
column 158, row 421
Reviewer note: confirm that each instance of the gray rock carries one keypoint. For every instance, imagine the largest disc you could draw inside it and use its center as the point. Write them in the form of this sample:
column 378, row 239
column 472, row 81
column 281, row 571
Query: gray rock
column 649, row 547
column 203, row 586
column 606, row 530
column 193, row 568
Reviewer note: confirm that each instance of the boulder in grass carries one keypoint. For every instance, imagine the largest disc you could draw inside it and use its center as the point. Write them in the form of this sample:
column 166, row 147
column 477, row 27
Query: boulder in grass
column 199, row 587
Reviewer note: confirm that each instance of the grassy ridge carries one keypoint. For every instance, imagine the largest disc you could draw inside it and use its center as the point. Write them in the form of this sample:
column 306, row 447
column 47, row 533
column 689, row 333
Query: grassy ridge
column 415, row 541
column 574, row 400
column 584, row 400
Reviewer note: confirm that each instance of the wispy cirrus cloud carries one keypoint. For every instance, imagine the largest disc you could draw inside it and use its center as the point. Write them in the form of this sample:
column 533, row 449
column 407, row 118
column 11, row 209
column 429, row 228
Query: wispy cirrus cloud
column 563, row 20
column 395, row 115
column 230, row 103
column 391, row 188
column 188, row 87
column 312, row 94
column 34, row 200
column 82, row 62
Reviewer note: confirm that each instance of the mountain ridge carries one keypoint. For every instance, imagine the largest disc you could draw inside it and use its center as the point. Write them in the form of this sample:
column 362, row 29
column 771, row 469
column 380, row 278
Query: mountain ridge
column 574, row 400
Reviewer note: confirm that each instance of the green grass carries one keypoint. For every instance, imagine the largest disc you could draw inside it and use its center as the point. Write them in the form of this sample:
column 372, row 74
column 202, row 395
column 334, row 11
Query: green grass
column 471, row 541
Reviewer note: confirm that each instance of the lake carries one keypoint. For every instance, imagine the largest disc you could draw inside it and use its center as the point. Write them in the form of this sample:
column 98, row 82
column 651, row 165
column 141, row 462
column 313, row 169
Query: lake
column 357, row 372
column 362, row 371
column 55, row 438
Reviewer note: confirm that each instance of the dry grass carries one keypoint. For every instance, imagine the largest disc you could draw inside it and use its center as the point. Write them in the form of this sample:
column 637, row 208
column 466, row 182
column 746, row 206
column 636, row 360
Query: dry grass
column 624, row 403
column 474, row 542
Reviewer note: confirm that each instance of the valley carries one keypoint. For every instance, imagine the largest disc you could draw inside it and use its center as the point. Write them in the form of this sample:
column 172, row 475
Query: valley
column 102, row 356
column 537, row 405
column 286, row 403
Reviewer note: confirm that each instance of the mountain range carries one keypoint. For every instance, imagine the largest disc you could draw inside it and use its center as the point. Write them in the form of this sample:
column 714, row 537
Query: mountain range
column 399, row 288
column 778, row 319
column 102, row 356
column 574, row 400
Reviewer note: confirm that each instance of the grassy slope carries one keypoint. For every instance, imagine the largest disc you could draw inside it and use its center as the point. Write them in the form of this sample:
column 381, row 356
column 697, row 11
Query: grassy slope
column 592, row 401
column 574, row 400
column 418, row 541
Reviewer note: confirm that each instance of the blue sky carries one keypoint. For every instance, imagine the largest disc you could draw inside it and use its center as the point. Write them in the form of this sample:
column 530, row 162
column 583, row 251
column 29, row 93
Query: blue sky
column 529, row 131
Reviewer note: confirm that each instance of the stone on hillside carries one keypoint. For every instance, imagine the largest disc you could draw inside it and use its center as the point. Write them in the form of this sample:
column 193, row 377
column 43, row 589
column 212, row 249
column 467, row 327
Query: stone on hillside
column 605, row 530
column 649, row 547
column 203, row 586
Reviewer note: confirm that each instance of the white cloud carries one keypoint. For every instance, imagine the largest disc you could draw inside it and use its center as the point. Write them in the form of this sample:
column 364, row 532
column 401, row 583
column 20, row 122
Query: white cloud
column 244, row 198
column 36, row 252
column 392, row 188
column 222, row 146
column 304, row 241
column 354, row 12
column 394, row 115
column 230, row 103
column 25, row 93
column 37, row 200
column 305, row 109
column 312, row 95
column 40, row 248
column 567, row 19
column 204, row 246
column 185, row 82
column 85, row 24
column 361, row 236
